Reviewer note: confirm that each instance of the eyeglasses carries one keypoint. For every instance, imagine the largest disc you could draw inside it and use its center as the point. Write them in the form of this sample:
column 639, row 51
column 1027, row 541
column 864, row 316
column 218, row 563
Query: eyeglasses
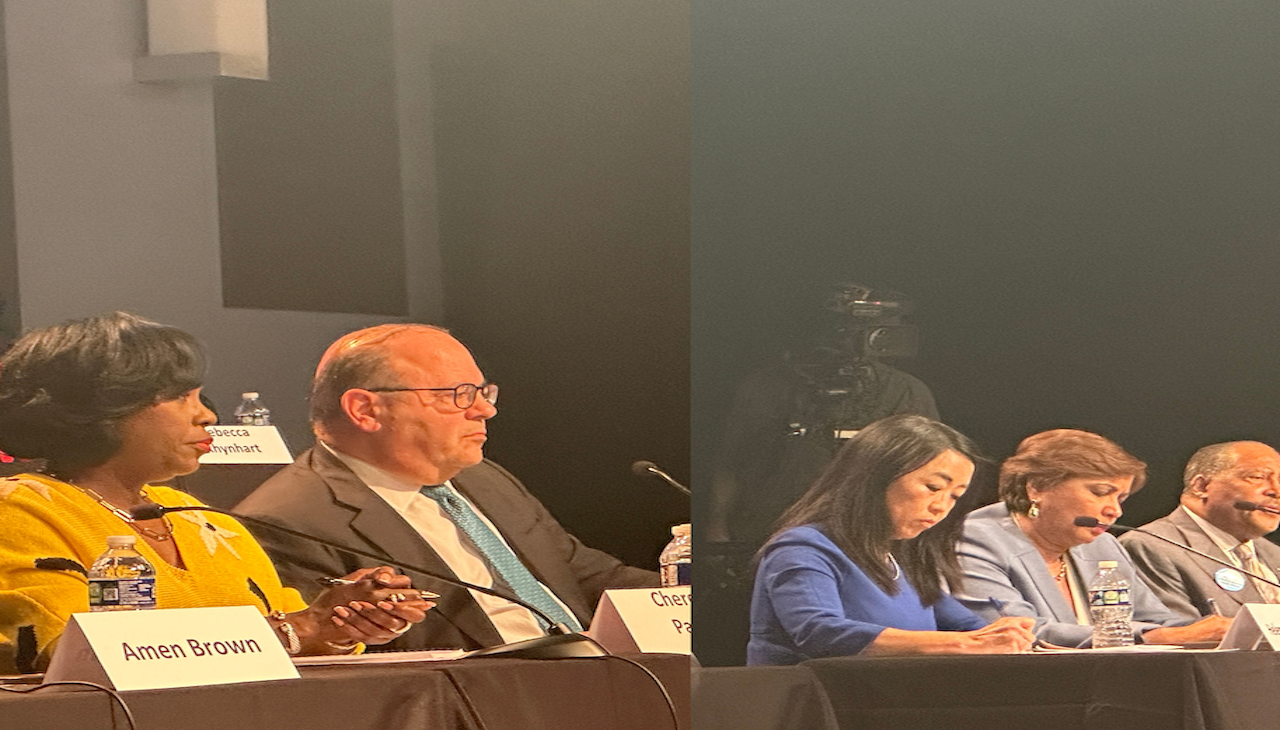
column 464, row 396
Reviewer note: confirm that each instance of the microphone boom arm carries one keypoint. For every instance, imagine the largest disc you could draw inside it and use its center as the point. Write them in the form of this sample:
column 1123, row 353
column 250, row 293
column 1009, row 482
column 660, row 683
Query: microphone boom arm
column 148, row 512
column 1188, row 548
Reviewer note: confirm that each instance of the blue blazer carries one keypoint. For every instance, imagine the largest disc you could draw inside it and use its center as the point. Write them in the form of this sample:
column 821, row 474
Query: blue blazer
column 811, row 600
column 1004, row 574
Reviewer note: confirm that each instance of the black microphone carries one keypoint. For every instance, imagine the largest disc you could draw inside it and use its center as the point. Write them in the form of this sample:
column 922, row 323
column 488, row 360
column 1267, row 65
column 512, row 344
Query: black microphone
column 560, row 642
column 1244, row 506
column 1093, row 522
column 648, row 467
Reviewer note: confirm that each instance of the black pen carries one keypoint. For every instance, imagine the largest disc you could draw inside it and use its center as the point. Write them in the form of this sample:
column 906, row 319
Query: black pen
column 327, row 581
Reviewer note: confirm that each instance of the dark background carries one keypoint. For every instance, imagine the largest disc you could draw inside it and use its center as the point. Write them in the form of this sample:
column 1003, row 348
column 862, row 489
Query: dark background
column 559, row 158
column 1082, row 199
column 523, row 169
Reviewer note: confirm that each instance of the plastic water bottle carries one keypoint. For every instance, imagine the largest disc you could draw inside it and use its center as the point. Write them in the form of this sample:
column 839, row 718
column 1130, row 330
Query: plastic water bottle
column 251, row 412
column 1110, row 607
column 121, row 579
column 676, row 567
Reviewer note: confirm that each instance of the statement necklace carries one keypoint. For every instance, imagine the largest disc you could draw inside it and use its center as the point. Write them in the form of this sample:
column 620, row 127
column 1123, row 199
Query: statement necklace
column 124, row 515
column 1061, row 575
column 897, row 569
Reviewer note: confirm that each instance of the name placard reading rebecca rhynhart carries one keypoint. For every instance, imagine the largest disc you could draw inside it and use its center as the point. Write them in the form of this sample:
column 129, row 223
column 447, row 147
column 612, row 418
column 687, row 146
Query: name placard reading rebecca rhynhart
column 236, row 444
column 649, row 620
column 179, row 647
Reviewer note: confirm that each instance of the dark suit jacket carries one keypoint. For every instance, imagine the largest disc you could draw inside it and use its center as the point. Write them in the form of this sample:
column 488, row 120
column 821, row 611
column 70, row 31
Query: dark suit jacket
column 1182, row 580
column 318, row 495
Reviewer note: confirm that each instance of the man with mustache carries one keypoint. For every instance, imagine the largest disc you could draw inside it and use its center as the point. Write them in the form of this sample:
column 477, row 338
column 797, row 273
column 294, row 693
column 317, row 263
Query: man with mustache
column 1216, row 478
column 400, row 412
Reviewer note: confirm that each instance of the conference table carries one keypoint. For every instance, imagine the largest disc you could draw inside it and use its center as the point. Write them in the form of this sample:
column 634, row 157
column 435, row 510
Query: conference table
column 602, row 693
column 1172, row 690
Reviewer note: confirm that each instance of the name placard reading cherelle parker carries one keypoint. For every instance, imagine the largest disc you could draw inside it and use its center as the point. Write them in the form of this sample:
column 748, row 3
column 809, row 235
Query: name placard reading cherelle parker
column 236, row 444
column 177, row 647
column 648, row 620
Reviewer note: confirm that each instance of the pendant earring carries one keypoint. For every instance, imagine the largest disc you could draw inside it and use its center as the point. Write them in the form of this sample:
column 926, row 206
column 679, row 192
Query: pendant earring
column 1034, row 510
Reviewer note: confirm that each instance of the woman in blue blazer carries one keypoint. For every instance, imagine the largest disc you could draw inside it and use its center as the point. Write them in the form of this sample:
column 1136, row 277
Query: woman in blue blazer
column 1025, row 556
column 855, row 567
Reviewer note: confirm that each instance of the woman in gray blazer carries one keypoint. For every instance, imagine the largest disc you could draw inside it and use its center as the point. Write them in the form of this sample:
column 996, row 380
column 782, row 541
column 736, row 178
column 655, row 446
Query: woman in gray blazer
column 1025, row 556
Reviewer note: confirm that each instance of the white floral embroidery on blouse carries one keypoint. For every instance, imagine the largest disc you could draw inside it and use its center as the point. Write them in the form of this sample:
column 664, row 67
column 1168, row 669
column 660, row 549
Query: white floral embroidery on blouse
column 211, row 534
column 10, row 485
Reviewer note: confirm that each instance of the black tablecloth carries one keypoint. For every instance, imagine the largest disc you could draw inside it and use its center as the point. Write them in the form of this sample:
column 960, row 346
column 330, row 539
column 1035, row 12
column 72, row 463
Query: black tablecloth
column 760, row 698
column 492, row 694
column 1083, row 691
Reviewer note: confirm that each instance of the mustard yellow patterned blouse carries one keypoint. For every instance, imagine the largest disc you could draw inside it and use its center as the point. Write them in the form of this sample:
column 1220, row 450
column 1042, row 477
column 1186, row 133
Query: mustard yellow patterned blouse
column 51, row 532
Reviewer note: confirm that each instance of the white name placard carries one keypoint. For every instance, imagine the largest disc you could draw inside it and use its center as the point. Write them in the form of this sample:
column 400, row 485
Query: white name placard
column 235, row 444
column 177, row 647
column 648, row 620
column 1255, row 624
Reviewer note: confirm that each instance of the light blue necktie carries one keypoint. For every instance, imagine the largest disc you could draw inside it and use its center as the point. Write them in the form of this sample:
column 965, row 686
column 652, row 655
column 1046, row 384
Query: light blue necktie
column 501, row 557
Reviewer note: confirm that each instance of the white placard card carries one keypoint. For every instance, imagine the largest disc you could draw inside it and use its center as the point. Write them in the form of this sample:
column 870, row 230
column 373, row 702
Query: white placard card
column 177, row 647
column 1255, row 624
column 236, row 444
column 648, row 620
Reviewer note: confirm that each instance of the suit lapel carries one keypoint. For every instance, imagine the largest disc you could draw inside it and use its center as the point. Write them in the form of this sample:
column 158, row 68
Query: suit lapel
column 1057, row 603
column 386, row 532
column 1034, row 567
column 1190, row 534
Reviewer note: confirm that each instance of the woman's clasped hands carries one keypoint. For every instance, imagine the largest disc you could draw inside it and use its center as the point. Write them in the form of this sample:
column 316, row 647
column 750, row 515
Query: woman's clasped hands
column 369, row 606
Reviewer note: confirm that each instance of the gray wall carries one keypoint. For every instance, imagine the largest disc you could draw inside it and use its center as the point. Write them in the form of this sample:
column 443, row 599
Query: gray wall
column 9, row 320
column 116, row 198
column 543, row 174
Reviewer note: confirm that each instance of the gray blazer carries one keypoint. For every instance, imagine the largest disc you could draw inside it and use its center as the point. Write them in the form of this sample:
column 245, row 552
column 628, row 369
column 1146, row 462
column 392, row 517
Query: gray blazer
column 318, row 495
column 1005, row 575
column 1184, row 581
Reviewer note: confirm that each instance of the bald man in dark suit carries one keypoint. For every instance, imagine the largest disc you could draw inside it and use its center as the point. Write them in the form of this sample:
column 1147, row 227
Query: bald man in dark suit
column 398, row 469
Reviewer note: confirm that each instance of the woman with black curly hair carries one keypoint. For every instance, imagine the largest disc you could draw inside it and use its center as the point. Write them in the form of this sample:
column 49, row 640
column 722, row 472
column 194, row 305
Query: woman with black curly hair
column 112, row 404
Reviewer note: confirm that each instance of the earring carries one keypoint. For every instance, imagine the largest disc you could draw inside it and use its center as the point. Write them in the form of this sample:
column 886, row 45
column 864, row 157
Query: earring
column 1034, row 510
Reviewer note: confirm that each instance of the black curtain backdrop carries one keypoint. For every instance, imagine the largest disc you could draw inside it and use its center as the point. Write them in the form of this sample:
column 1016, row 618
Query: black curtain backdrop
column 1081, row 198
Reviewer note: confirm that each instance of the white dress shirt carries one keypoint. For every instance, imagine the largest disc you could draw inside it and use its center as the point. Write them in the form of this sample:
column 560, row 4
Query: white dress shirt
column 424, row 515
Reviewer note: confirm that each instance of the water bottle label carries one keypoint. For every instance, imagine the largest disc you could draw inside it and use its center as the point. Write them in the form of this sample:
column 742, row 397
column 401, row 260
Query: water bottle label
column 677, row 574
column 127, row 592
column 1109, row 597
column 684, row 574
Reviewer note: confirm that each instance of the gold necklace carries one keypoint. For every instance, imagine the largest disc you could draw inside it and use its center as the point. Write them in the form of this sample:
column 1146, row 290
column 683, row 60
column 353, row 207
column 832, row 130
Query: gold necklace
column 122, row 514
column 1062, row 567
column 1062, row 559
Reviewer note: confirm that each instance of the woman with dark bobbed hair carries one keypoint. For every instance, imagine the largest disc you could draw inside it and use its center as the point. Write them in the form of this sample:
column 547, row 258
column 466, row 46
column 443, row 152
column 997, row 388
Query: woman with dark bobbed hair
column 112, row 405
column 861, row 562
column 1026, row 556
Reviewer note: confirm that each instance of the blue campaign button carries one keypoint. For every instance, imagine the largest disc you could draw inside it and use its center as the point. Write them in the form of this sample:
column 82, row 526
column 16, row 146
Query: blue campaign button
column 1228, row 579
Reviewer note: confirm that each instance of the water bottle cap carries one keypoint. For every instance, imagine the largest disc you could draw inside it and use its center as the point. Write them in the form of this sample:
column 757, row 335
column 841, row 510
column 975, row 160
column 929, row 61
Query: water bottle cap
column 249, row 396
column 678, row 530
column 122, row 541
column 1104, row 564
